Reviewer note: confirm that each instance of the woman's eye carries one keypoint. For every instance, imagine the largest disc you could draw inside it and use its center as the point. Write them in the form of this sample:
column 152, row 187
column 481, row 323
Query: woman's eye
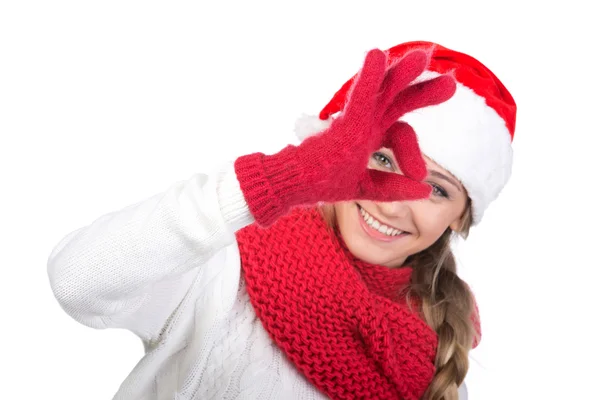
column 383, row 160
column 386, row 162
column 439, row 191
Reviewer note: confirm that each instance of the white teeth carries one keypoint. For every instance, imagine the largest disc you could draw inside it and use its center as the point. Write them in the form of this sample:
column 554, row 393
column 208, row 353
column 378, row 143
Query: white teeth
column 386, row 230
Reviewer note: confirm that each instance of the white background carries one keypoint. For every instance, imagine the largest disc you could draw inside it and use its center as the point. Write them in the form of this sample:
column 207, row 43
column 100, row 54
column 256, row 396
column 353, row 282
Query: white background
column 103, row 104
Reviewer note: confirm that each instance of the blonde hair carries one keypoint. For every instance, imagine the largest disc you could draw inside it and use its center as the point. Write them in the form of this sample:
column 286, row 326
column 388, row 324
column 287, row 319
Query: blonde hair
column 446, row 304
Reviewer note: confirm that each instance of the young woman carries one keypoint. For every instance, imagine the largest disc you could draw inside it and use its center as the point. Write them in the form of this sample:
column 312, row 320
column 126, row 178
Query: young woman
column 321, row 271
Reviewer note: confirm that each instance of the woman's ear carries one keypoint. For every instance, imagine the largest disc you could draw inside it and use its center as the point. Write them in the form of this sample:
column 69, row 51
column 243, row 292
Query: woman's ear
column 456, row 224
column 461, row 225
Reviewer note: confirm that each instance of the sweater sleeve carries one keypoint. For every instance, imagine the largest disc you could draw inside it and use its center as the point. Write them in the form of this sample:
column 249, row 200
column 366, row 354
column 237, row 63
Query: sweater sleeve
column 130, row 268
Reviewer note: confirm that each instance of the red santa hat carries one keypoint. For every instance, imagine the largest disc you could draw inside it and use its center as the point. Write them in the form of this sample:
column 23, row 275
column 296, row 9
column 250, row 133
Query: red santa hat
column 470, row 135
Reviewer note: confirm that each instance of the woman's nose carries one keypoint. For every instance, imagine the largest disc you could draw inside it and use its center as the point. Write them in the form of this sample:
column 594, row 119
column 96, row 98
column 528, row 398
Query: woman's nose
column 395, row 209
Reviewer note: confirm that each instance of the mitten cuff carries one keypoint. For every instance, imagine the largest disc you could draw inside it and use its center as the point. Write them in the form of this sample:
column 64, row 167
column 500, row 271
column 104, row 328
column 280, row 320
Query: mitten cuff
column 271, row 184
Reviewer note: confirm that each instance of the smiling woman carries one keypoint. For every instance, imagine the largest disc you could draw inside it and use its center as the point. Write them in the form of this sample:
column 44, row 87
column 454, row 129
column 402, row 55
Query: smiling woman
column 321, row 271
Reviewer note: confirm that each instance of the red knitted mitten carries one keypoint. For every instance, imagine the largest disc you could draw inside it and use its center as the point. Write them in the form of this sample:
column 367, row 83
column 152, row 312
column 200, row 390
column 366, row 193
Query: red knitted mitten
column 332, row 165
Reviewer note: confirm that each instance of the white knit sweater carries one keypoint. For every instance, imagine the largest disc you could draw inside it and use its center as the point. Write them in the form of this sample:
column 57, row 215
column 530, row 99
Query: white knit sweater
column 168, row 269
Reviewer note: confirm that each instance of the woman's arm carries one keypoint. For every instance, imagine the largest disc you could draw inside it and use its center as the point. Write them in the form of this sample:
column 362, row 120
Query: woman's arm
column 130, row 268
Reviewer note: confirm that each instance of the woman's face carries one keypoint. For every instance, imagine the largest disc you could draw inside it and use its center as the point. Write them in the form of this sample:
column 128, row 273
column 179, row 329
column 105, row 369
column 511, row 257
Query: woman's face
column 422, row 221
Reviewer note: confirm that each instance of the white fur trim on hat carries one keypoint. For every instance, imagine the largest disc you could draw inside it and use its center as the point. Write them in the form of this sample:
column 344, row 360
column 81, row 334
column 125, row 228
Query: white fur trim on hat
column 308, row 125
column 469, row 139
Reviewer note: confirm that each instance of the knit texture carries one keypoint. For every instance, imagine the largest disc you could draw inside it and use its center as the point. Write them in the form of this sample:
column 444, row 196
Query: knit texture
column 332, row 165
column 167, row 268
column 338, row 319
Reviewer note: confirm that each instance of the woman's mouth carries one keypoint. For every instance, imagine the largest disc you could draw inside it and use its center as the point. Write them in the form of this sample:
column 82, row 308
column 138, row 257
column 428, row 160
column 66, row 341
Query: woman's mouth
column 376, row 229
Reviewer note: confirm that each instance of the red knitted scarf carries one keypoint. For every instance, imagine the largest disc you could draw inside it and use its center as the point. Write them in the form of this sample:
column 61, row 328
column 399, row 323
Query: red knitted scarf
column 340, row 320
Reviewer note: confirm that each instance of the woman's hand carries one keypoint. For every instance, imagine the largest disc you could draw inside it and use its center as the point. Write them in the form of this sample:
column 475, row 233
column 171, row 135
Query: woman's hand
column 332, row 165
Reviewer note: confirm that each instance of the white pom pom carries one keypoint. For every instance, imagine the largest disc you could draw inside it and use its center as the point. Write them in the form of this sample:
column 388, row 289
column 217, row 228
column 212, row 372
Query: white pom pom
column 308, row 125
